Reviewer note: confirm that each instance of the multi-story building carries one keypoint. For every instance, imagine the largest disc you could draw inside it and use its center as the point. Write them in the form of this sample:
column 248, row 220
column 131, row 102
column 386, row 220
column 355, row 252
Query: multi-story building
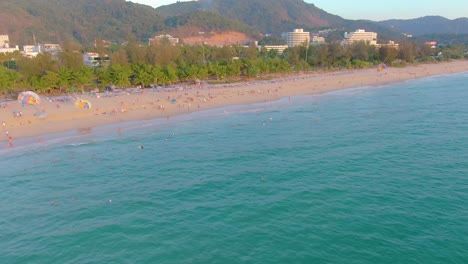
column 5, row 45
column 31, row 50
column 53, row 49
column 4, row 41
column 156, row 39
column 391, row 44
column 360, row 35
column 297, row 38
column 93, row 59
column 8, row 50
column 278, row 48
column 318, row 40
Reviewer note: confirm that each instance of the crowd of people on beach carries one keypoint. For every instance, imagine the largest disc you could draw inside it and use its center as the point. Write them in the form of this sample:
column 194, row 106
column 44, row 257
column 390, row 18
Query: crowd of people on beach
column 179, row 98
column 130, row 103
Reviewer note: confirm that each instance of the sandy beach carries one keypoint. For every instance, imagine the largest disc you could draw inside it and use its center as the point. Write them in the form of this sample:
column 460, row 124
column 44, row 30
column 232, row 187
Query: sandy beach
column 59, row 114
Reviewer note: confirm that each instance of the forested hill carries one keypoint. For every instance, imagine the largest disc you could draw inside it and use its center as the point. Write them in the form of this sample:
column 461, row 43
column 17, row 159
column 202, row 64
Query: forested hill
column 54, row 21
column 268, row 16
column 429, row 25
column 117, row 20
column 83, row 20
column 276, row 16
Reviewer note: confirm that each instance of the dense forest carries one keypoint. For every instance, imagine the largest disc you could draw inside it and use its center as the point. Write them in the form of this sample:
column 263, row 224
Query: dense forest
column 54, row 21
column 165, row 64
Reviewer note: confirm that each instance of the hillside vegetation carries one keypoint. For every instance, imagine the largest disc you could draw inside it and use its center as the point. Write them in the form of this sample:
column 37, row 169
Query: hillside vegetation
column 82, row 20
column 117, row 20
column 428, row 25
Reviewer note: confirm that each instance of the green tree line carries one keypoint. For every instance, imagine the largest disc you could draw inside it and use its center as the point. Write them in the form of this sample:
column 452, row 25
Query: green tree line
column 165, row 64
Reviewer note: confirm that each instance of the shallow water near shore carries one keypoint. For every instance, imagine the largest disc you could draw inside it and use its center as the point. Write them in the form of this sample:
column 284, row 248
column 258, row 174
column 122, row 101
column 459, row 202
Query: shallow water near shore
column 363, row 175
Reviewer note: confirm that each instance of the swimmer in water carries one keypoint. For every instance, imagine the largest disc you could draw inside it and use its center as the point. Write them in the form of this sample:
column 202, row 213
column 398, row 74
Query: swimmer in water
column 140, row 147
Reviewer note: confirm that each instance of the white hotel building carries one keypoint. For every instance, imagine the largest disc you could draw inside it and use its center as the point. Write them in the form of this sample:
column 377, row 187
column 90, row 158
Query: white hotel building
column 5, row 45
column 297, row 38
column 156, row 39
column 360, row 35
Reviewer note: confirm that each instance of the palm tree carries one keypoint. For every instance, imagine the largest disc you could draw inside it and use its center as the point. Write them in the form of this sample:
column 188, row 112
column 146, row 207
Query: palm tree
column 120, row 75
column 143, row 74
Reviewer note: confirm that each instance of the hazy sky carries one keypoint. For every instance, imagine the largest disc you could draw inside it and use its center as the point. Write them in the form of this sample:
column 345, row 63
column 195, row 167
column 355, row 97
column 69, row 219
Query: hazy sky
column 376, row 9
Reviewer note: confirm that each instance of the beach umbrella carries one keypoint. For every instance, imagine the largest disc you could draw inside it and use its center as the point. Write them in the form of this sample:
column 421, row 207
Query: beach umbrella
column 382, row 67
column 28, row 97
column 83, row 104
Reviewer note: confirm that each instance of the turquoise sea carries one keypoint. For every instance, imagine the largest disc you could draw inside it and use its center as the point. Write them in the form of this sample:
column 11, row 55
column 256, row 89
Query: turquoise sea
column 364, row 175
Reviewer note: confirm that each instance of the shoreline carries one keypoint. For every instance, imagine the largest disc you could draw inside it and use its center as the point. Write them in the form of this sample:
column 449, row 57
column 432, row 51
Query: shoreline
column 63, row 116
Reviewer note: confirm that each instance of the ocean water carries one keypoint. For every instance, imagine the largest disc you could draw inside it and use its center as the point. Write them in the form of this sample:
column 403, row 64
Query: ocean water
column 364, row 175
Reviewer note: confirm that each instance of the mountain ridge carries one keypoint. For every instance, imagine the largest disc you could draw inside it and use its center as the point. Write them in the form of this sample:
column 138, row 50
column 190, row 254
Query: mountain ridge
column 428, row 25
column 84, row 21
